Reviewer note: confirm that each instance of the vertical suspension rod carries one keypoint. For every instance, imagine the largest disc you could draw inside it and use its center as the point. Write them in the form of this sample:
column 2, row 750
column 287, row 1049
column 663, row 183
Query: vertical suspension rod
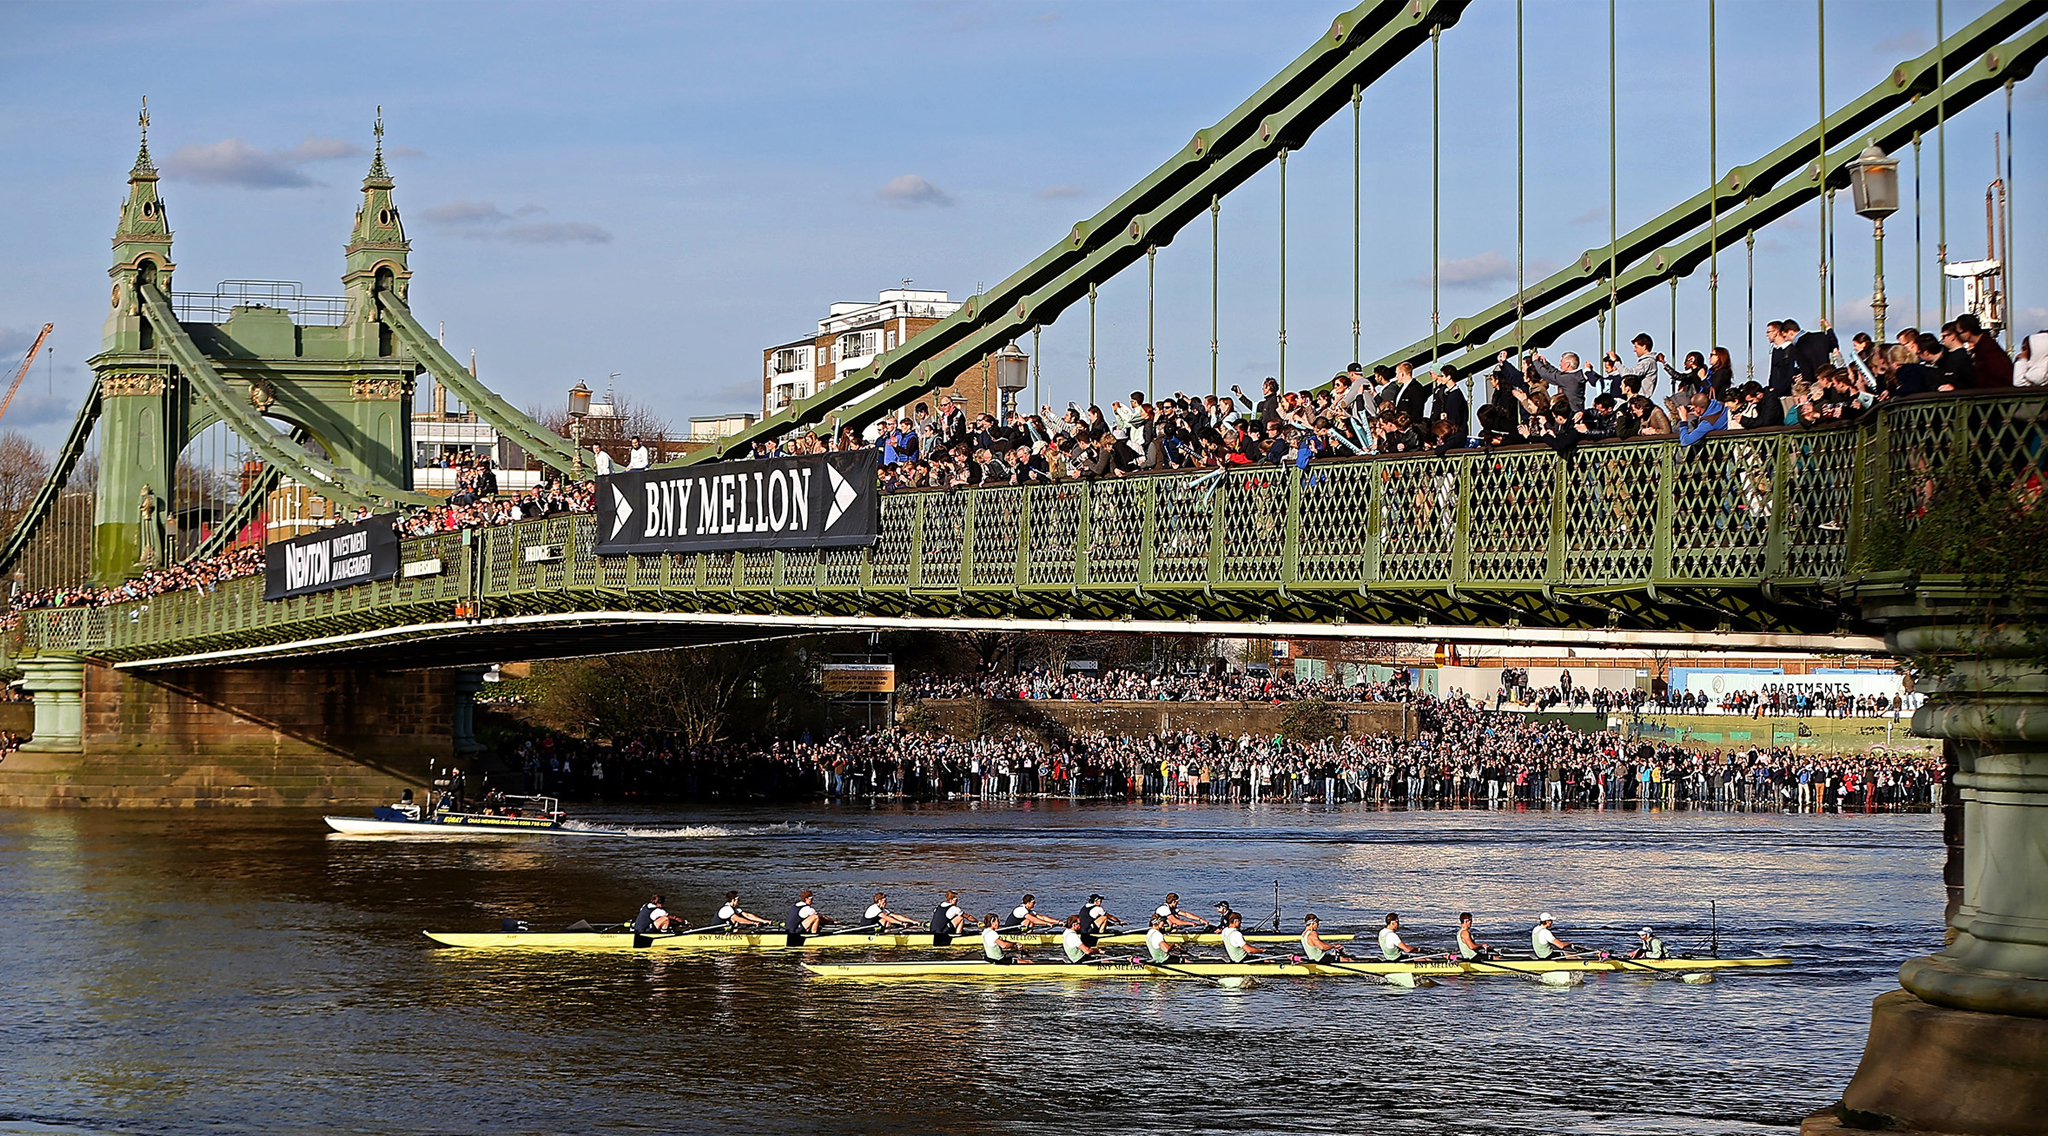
column 1823, row 198
column 1521, row 199
column 1357, row 221
column 1091, row 343
column 1714, row 199
column 1941, row 165
column 1283, row 269
column 1151, row 308
column 1436, row 170
column 1614, row 328
column 1215, row 236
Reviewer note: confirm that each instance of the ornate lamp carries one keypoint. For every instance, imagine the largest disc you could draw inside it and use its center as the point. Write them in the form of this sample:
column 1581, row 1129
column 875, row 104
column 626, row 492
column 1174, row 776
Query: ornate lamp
column 1874, row 186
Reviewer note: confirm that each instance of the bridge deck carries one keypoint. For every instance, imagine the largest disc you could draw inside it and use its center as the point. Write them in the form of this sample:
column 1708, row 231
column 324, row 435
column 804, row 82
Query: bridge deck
column 1745, row 532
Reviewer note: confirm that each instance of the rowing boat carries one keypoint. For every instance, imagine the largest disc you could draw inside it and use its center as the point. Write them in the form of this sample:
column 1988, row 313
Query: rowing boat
column 1134, row 968
column 778, row 940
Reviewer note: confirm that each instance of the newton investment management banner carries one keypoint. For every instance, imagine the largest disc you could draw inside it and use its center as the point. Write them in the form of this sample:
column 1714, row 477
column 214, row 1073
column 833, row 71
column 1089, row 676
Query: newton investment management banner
column 331, row 558
column 821, row 501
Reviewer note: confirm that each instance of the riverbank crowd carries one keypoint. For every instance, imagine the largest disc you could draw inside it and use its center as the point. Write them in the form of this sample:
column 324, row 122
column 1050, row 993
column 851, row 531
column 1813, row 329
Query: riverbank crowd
column 1463, row 756
column 1123, row 685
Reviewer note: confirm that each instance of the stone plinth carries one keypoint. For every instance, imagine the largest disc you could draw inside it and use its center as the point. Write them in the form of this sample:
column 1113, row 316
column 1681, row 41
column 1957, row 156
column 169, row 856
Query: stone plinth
column 327, row 737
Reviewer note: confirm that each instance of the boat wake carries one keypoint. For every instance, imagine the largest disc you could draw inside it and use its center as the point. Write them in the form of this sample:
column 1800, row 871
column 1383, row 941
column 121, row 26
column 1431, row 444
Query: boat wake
column 684, row 832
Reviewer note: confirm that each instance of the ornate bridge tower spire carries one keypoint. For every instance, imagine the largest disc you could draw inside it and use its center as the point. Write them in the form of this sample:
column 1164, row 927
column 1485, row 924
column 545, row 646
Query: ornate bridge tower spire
column 142, row 250
column 137, row 420
column 376, row 258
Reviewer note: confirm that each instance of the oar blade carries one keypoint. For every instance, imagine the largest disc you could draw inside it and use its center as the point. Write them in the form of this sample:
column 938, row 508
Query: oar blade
column 1561, row 977
column 1697, row 977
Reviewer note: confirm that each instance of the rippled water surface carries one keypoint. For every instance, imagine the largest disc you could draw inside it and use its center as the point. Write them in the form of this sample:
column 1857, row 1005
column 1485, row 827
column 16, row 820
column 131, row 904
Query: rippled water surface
column 245, row 972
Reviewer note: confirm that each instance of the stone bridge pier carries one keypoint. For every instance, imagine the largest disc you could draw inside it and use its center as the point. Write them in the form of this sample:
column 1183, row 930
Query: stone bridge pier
column 329, row 737
column 1962, row 1047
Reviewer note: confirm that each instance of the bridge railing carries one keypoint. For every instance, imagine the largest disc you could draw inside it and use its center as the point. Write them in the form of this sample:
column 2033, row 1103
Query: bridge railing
column 1750, row 520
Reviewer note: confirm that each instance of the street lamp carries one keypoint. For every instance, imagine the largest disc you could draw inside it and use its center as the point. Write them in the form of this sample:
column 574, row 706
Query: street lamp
column 1013, row 372
column 579, row 406
column 1874, row 185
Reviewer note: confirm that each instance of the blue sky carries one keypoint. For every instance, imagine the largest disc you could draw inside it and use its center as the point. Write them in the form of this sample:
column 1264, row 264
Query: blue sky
column 663, row 190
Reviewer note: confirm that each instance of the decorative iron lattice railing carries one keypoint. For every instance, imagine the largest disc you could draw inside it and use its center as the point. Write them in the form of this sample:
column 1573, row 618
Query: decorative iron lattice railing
column 1743, row 531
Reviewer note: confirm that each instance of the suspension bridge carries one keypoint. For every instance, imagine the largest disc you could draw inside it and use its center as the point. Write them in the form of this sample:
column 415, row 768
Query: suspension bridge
column 1782, row 539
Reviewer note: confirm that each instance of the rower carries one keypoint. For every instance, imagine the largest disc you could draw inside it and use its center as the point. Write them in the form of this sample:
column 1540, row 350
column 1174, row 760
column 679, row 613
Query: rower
column 1025, row 916
column 1156, row 948
column 1095, row 919
column 1543, row 941
column 1652, row 947
column 804, row 919
column 653, row 917
column 1314, row 947
column 1233, row 939
column 1176, row 919
column 1223, row 913
column 1468, row 947
column 735, row 917
column 994, row 947
column 1078, row 949
column 1391, row 946
column 879, row 916
column 948, row 921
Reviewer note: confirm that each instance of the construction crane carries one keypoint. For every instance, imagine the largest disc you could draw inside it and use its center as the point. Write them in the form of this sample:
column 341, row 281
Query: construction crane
column 25, row 365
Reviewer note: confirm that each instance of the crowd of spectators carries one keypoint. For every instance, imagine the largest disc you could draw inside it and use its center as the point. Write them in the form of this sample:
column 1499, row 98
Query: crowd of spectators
column 471, row 509
column 199, row 575
column 1122, row 685
column 1526, row 400
column 1462, row 755
column 1126, row 685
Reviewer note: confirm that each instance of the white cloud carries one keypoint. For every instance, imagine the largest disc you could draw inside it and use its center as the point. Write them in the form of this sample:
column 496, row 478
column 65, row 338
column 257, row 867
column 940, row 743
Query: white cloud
column 233, row 161
column 911, row 191
column 483, row 220
column 1487, row 268
column 476, row 213
column 555, row 233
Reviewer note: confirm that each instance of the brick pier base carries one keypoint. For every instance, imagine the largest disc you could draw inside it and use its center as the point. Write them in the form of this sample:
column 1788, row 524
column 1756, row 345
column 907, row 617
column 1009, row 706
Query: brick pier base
column 326, row 737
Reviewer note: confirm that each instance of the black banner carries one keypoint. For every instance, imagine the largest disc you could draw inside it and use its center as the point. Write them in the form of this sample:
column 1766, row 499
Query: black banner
column 339, row 557
column 821, row 501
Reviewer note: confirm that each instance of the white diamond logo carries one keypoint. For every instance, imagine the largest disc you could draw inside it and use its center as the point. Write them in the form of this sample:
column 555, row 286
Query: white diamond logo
column 843, row 495
column 622, row 511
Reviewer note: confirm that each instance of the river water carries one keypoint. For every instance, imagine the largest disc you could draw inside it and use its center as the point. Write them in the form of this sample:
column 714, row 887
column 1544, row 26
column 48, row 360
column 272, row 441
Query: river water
column 244, row 972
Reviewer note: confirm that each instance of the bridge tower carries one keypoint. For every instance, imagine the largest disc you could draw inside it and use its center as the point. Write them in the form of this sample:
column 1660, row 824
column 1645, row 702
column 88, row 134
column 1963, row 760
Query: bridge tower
column 345, row 389
column 134, row 378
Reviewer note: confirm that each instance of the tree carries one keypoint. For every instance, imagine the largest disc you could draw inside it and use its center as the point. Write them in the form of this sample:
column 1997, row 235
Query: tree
column 690, row 693
column 23, row 468
column 1311, row 720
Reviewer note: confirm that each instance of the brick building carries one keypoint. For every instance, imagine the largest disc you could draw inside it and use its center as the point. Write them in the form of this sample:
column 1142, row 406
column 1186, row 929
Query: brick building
column 854, row 334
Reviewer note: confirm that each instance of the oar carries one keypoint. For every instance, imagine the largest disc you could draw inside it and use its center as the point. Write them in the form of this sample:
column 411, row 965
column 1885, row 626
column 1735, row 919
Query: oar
column 1376, row 976
column 1544, row 978
column 640, row 940
column 1170, row 969
column 1660, row 974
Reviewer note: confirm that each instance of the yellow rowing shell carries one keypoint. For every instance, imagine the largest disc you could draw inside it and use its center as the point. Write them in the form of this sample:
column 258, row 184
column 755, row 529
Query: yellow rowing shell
column 1132, row 968
column 779, row 941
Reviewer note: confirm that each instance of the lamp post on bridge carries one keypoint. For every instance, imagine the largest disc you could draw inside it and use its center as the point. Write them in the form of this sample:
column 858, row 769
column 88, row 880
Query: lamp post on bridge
column 1013, row 372
column 579, row 407
column 1874, row 184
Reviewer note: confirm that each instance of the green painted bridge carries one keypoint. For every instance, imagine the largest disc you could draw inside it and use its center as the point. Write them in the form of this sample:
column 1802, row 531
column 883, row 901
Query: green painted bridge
column 1744, row 540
